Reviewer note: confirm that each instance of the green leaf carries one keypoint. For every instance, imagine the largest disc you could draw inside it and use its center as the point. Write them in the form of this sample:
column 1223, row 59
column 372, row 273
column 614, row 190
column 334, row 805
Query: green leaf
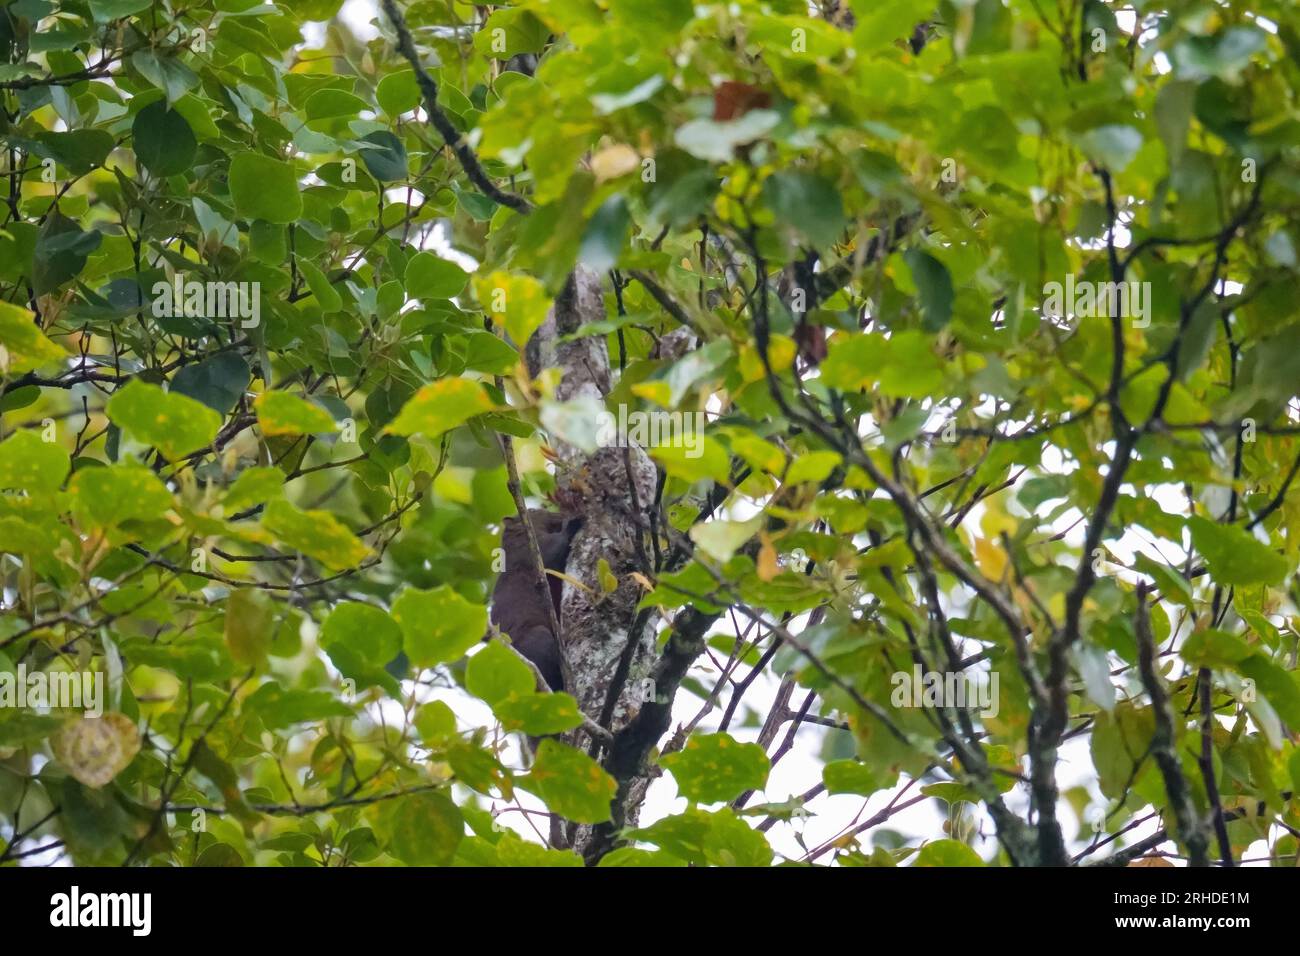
column 264, row 188
column 25, row 538
column 718, row 839
column 432, row 277
column 947, row 853
column 267, row 243
column 426, row 830
column 440, row 406
column 539, row 714
column 806, row 204
column 1173, row 114
column 1093, row 665
column 1223, row 55
column 1215, row 648
column 652, row 16
column 92, row 819
column 167, row 73
column 484, row 352
column 714, row 767
column 164, row 142
column 882, row 23
column 813, row 466
column 514, row 851
column 695, row 368
column 510, row 32
column 106, row 11
column 332, row 103
column 571, row 783
column 18, row 728
column 111, row 496
column 254, row 486
column 278, row 707
column 1234, row 556
column 385, row 156
column 327, row 297
column 1173, row 586
column 1112, row 146
column 606, row 234
column 626, row 856
column 436, row 722
column 318, row 10
column 855, row 361
column 729, row 841
column 283, row 413
column 496, row 673
column 913, row 371
column 1276, row 684
column 80, row 150
column 249, row 627
column 695, row 460
column 219, row 855
column 438, row 626
column 29, row 464
column 217, row 382
column 174, row 424
column 951, row 793
column 60, row 255
column 317, row 534
column 935, row 287
column 398, row 92
column 1120, row 744
column 850, row 776
column 684, row 197
column 1269, row 371
column 361, row 640
column 720, row 539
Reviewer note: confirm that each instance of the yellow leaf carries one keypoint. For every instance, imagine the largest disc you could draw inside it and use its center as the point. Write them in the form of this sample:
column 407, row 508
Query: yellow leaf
column 780, row 352
column 96, row 749
column 282, row 413
column 991, row 558
column 767, row 563
column 659, row 392
column 518, row 302
column 608, row 582
column 23, row 346
column 996, row 520
column 614, row 161
column 642, row 580
column 569, row 579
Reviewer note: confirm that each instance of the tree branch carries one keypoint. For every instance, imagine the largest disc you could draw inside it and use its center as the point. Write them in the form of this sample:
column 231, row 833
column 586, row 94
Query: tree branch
column 1163, row 743
column 441, row 122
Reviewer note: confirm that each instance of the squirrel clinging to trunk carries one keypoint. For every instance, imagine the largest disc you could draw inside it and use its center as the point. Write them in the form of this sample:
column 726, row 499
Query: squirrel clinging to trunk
column 517, row 608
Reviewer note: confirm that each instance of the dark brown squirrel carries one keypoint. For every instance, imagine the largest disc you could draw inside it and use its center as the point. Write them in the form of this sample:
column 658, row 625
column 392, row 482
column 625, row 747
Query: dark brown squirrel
column 516, row 608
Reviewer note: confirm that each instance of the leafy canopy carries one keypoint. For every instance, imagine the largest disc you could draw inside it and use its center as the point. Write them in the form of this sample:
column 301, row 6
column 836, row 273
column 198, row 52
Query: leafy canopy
column 261, row 314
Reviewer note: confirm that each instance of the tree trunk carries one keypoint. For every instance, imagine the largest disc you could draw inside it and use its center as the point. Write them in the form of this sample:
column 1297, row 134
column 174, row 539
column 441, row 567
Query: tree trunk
column 611, row 490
